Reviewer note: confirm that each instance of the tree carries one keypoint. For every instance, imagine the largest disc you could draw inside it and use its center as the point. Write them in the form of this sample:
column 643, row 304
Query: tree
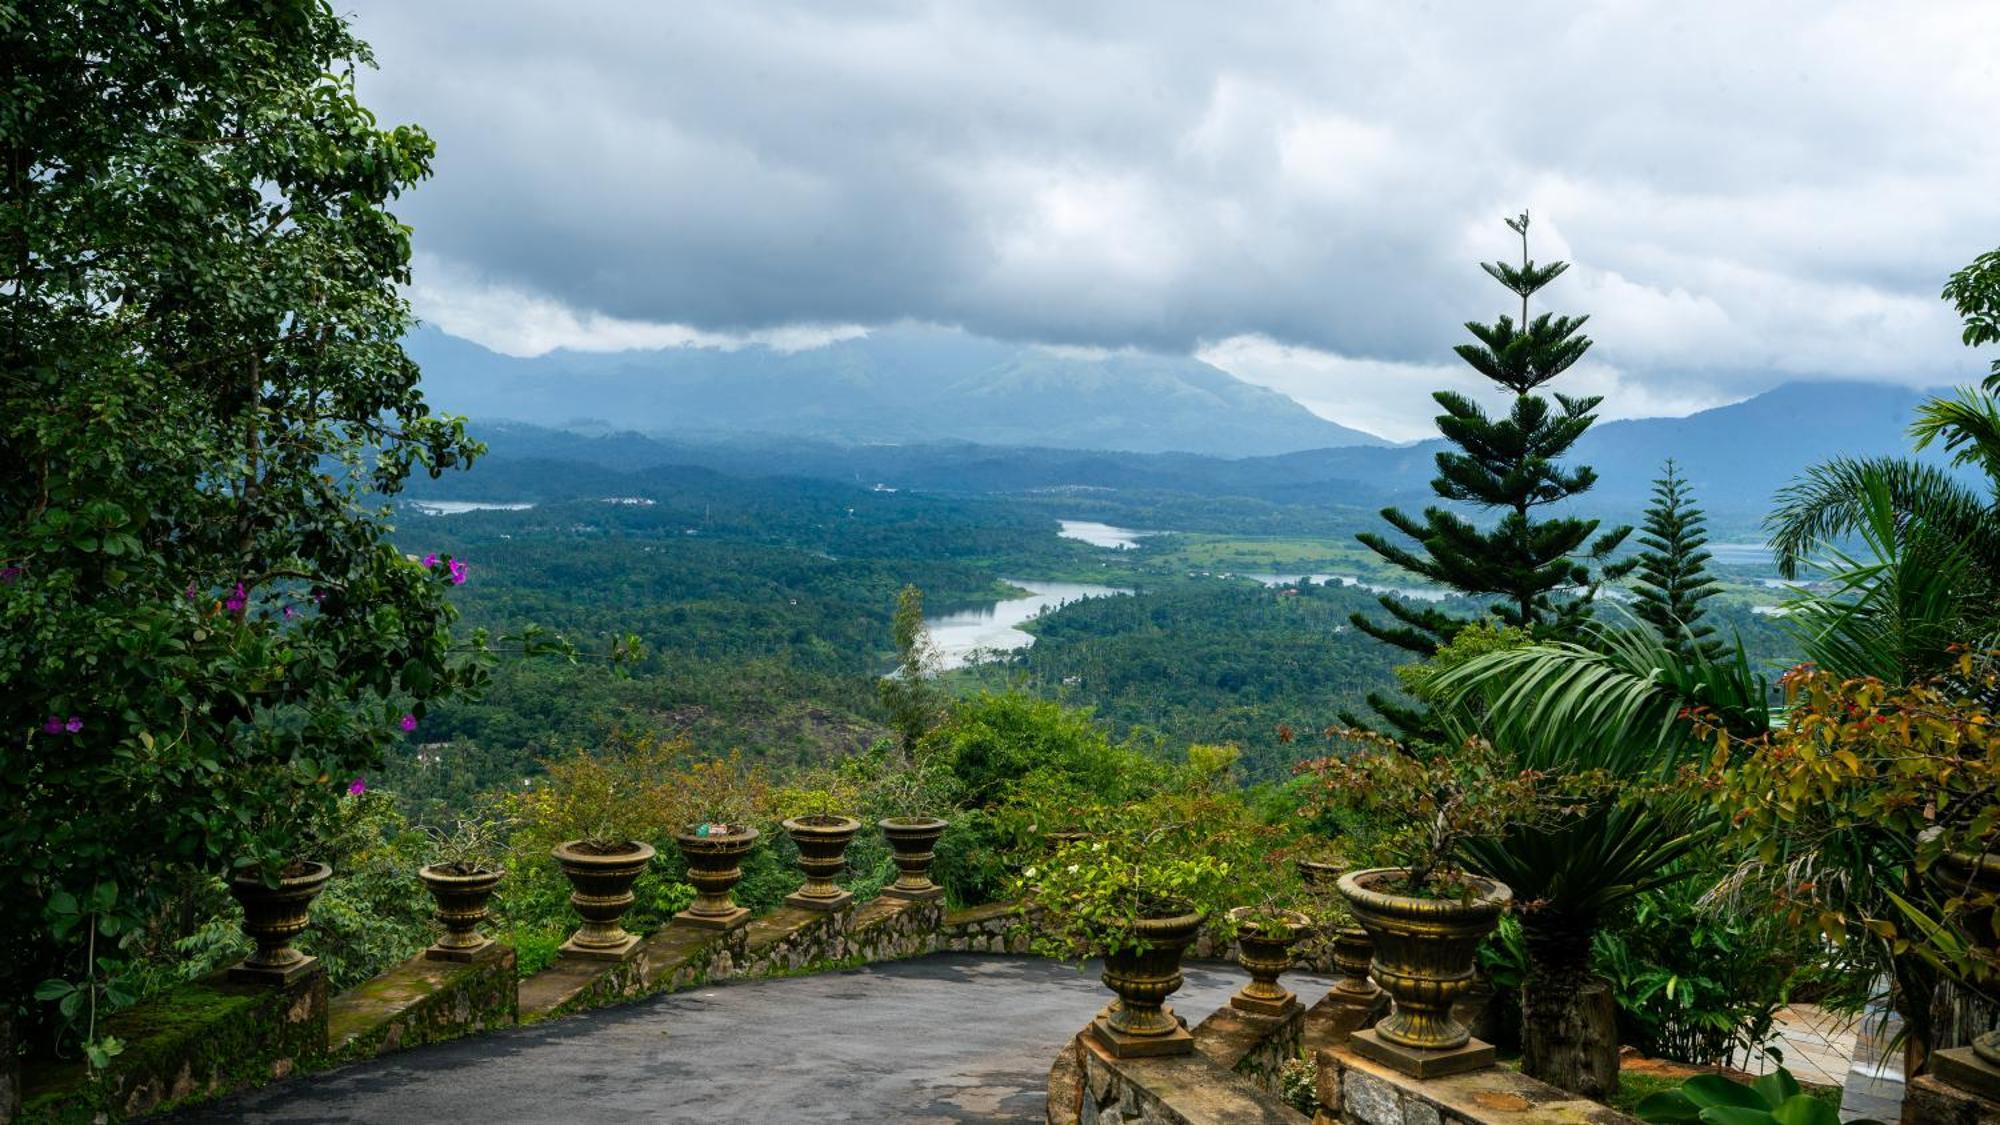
column 1673, row 578
column 205, row 631
column 1538, row 571
column 915, row 702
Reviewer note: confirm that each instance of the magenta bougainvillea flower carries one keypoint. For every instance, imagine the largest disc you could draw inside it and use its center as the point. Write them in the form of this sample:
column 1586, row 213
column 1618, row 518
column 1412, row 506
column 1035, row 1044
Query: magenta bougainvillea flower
column 409, row 722
column 74, row 725
column 237, row 599
column 430, row 562
column 357, row 787
column 290, row 613
column 457, row 573
column 54, row 725
column 10, row 574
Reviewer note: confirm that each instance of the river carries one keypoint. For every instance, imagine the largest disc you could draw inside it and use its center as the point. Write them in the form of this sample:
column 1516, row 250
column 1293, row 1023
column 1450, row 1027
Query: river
column 1102, row 534
column 961, row 636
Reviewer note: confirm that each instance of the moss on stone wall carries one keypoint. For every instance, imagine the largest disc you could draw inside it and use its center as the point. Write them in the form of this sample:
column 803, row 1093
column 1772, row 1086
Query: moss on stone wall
column 195, row 1041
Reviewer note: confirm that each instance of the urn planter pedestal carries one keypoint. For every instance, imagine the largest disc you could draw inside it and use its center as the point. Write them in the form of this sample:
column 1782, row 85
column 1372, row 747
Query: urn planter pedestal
column 462, row 904
column 272, row 917
column 1139, row 1023
column 822, row 842
column 715, row 866
column 600, row 882
column 911, row 841
column 1425, row 952
column 1974, row 1068
column 1264, row 949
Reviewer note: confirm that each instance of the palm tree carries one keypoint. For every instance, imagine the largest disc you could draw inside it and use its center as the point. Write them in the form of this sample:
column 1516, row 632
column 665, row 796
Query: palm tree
column 1614, row 708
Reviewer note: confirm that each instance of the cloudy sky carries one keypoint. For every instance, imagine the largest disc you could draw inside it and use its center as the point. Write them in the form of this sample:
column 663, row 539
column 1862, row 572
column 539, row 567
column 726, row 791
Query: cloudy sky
column 1297, row 192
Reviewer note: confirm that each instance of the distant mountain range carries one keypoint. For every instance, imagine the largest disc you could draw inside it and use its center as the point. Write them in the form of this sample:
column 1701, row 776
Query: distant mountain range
column 1736, row 456
column 900, row 384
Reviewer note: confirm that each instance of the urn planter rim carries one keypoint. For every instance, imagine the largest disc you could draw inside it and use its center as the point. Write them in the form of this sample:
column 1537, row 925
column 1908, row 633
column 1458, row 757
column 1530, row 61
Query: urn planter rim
column 912, row 823
column 570, row 851
column 834, row 825
column 742, row 834
column 431, row 873
column 315, row 873
column 1298, row 920
column 1353, row 887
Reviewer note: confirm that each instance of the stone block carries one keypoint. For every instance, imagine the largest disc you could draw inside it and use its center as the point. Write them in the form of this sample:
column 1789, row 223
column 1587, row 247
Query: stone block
column 1929, row 1100
column 425, row 1000
column 198, row 1040
column 1419, row 1063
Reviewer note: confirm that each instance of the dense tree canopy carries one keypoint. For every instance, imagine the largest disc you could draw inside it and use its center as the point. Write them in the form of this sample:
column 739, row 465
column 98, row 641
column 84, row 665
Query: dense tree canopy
column 204, row 630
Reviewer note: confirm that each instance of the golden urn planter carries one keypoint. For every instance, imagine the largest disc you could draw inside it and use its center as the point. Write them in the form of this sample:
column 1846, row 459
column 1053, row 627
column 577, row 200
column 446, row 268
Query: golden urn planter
column 1353, row 953
column 600, row 880
column 912, row 840
column 462, row 902
column 1139, row 1023
column 715, row 866
column 272, row 917
column 1320, row 876
column 1975, row 1068
column 1425, row 951
column 1264, row 948
column 822, row 842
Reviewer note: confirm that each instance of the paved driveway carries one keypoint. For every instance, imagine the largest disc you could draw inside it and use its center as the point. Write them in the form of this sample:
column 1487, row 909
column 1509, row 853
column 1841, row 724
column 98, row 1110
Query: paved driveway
column 951, row 1037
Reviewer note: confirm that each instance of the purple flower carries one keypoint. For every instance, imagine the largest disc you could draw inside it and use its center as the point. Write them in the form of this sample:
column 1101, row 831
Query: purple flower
column 10, row 574
column 53, row 726
column 191, row 593
column 74, row 725
column 237, row 599
column 457, row 573
column 290, row 613
column 319, row 597
column 430, row 562
column 409, row 723
column 357, row 787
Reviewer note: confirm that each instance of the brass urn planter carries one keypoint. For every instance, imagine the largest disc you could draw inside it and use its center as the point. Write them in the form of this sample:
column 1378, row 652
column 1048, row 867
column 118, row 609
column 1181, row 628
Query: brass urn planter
column 462, row 904
column 1139, row 1023
column 1974, row 1068
column 1264, row 947
column 1319, row 876
column 1353, row 952
column 715, row 866
column 600, row 880
column 272, row 917
column 1425, row 951
column 822, row 842
column 911, row 842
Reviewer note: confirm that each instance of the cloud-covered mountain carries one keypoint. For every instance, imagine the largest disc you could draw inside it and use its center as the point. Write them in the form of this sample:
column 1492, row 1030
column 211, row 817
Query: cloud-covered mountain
column 900, row 385
column 1735, row 456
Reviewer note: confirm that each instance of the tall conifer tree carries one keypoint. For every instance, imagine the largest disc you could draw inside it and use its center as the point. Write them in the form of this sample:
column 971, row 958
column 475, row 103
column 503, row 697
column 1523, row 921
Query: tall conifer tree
column 1540, row 573
column 1673, row 578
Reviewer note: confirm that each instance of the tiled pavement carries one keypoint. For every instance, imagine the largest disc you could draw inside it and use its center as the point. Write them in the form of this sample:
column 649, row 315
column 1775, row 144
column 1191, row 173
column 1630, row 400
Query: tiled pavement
column 1851, row 1052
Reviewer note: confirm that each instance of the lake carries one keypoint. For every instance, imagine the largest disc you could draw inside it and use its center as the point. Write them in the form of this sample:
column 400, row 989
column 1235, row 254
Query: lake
column 454, row 507
column 1415, row 593
column 996, row 628
column 1102, row 534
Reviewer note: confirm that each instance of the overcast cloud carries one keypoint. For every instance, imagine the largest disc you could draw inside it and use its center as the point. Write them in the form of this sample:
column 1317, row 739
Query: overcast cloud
column 1298, row 192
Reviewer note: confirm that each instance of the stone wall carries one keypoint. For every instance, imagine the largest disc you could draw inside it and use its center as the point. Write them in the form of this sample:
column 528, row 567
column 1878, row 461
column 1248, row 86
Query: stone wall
column 424, row 1001
column 1089, row 1087
column 195, row 1041
column 996, row 928
column 1355, row 1091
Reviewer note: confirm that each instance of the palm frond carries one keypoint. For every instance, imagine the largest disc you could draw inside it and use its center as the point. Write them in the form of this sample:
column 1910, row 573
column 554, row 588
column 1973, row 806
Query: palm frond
column 1969, row 426
column 1830, row 502
column 1586, row 866
column 1615, row 705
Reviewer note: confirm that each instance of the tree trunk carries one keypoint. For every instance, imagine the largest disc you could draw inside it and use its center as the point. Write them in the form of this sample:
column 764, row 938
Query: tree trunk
column 10, row 1069
column 1569, row 1021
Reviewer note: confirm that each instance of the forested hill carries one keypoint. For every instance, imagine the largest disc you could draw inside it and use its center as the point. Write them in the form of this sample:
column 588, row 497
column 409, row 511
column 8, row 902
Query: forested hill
column 899, row 384
column 1737, row 456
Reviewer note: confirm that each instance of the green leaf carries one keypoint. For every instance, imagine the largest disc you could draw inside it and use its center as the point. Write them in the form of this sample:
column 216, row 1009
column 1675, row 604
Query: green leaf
column 1777, row 1087
column 1804, row 1109
column 53, row 989
column 1736, row 1115
column 1709, row 1090
column 1669, row 1106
